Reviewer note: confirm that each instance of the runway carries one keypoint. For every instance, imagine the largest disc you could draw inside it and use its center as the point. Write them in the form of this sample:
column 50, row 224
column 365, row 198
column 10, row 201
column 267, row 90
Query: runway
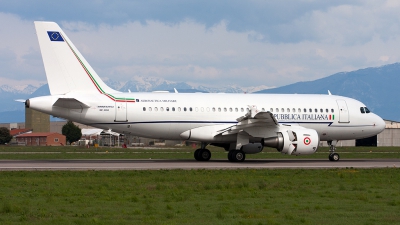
column 149, row 164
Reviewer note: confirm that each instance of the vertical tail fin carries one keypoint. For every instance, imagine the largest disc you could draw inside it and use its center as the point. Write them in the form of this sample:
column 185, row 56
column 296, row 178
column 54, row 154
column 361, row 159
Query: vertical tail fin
column 66, row 69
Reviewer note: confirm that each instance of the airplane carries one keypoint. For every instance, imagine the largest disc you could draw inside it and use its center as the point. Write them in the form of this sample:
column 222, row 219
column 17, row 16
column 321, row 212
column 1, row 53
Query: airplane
column 242, row 124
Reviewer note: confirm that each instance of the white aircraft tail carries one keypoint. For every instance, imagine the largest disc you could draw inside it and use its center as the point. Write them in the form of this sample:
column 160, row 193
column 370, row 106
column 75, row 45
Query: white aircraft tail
column 66, row 69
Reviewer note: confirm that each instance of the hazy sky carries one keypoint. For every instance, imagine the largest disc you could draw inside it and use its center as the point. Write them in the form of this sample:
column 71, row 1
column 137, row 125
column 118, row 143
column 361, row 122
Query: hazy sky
column 246, row 43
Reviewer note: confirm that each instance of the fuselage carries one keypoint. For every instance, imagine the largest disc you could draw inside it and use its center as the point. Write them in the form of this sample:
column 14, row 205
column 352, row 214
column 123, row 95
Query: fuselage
column 167, row 115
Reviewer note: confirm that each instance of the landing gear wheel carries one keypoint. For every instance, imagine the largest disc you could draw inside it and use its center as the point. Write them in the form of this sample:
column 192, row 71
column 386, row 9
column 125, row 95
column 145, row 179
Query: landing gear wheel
column 236, row 156
column 334, row 157
column 197, row 155
column 205, row 154
column 202, row 154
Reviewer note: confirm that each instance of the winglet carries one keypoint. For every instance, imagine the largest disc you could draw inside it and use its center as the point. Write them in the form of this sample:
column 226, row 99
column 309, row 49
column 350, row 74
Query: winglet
column 329, row 93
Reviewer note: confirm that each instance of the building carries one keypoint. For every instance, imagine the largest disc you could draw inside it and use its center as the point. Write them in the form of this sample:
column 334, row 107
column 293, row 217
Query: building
column 42, row 139
column 37, row 121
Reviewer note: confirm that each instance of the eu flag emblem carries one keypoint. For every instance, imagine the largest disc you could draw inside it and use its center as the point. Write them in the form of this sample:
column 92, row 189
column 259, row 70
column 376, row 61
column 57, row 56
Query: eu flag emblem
column 55, row 36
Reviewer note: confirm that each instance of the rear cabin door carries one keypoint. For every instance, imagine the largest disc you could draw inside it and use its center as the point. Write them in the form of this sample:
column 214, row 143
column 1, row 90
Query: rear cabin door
column 343, row 111
column 121, row 111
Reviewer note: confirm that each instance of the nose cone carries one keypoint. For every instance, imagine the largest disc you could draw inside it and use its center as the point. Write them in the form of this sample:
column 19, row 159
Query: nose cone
column 380, row 124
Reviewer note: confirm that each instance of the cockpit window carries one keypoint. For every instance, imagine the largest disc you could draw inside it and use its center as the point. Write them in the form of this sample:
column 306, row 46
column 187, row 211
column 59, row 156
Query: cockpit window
column 364, row 110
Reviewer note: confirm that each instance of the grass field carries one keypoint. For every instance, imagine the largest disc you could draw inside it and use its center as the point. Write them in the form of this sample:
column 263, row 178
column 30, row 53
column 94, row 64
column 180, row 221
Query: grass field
column 74, row 152
column 337, row 196
column 245, row 196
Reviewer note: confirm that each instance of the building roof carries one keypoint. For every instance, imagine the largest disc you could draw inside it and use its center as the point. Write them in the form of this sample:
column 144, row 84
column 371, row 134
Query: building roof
column 15, row 132
column 38, row 134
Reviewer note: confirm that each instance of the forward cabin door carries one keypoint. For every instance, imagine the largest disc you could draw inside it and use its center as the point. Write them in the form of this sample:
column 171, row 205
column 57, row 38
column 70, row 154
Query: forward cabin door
column 343, row 111
column 121, row 111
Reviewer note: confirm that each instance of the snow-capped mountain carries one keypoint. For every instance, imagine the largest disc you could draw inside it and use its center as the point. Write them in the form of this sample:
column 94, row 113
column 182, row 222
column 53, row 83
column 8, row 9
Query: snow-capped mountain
column 19, row 89
column 148, row 84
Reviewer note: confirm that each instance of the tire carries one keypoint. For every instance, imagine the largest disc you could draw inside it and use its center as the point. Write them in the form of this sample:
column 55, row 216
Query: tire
column 230, row 156
column 197, row 155
column 204, row 154
column 238, row 156
column 334, row 157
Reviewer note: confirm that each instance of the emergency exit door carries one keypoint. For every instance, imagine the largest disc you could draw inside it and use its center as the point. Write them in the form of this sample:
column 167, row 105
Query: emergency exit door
column 121, row 111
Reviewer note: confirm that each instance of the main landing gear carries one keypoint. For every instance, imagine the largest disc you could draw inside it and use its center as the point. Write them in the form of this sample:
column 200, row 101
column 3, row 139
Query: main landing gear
column 332, row 155
column 236, row 156
column 202, row 154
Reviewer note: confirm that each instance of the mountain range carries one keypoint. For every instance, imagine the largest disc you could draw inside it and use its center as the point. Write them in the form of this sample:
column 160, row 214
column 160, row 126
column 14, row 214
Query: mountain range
column 377, row 87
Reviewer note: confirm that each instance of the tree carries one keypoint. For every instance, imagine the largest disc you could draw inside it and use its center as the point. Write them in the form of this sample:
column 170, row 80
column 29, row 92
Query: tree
column 71, row 131
column 5, row 136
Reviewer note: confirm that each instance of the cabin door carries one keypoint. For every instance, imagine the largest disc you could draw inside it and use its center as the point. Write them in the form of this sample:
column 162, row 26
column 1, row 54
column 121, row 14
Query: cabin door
column 343, row 111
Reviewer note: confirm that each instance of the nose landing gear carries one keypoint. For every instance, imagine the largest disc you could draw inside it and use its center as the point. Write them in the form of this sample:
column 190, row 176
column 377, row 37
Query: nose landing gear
column 332, row 147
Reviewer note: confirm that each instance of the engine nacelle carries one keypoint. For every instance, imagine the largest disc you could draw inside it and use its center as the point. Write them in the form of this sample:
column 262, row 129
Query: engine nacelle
column 294, row 141
column 252, row 148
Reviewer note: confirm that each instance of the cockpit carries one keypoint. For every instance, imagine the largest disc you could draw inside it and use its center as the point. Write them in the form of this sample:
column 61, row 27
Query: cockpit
column 364, row 110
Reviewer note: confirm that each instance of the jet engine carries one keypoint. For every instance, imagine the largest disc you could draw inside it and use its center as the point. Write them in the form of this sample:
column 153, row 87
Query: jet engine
column 294, row 141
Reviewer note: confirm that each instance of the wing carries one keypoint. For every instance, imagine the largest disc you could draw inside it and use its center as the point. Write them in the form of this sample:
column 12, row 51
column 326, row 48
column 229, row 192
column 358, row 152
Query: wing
column 253, row 119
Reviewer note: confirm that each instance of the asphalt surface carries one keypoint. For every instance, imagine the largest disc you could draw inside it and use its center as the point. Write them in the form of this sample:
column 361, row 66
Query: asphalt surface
column 149, row 164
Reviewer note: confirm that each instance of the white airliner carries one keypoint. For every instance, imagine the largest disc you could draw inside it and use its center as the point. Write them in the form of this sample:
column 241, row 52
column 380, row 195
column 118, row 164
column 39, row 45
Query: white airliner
column 243, row 124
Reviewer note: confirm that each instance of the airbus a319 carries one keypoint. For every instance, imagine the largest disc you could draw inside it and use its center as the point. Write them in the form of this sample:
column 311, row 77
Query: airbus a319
column 242, row 124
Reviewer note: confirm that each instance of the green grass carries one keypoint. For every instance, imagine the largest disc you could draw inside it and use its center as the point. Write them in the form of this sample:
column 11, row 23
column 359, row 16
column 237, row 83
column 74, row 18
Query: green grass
column 334, row 196
column 73, row 152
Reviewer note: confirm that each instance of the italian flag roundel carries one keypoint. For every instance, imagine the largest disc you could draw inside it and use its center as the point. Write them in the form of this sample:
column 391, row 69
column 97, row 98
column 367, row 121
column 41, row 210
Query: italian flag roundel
column 307, row 141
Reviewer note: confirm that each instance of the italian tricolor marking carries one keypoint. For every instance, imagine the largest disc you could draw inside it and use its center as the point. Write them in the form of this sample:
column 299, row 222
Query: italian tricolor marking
column 95, row 82
column 331, row 117
column 307, row 141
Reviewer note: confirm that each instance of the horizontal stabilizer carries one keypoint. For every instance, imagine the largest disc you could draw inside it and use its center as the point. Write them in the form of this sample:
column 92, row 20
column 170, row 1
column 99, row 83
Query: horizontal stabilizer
column 70, row 103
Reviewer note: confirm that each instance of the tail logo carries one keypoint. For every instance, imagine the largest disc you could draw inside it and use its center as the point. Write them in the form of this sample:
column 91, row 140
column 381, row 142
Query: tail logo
column 55, row 36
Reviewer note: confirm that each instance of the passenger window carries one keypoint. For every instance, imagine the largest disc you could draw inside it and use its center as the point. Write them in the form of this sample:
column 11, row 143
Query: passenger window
column 241, row 109
column 288, row 110
column 150, row 109
column 162, row 109
column 213, row 109
column 202, row 109
column 316, row 110
column 294, row 110
column 190, row 109
column 271, row 110
column 225, row 110
column 173, row 109
column 144, row 108
column 208, row 109
column 167, row 109
column 367, row 110
column 305, row 110
column 321, row 110
column 299, row 110
column 236, row 110
column 184, row 109
column 156, row 109
column 277, row 110
column 263, row 109
column 362, row 109
column 197, row 109
column 332, row 110
column 327, row 110
column 219, row 109
column 310, row 110
column 283, row 110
